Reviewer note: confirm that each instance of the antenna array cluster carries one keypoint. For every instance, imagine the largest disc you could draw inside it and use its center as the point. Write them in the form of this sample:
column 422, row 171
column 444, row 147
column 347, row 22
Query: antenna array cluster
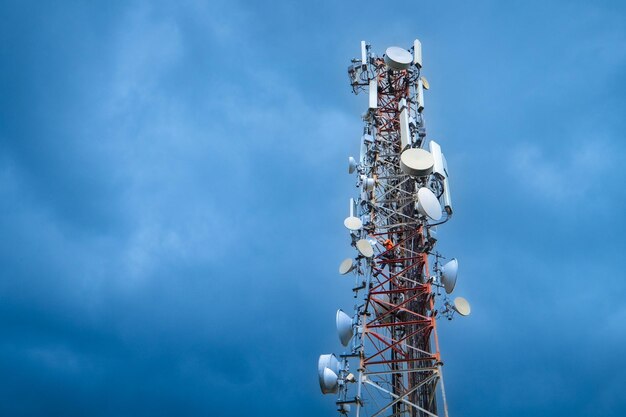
column 391, row 364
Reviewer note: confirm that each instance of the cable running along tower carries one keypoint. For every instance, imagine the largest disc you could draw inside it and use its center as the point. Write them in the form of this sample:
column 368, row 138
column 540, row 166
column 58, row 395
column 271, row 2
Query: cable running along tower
column 391, row 365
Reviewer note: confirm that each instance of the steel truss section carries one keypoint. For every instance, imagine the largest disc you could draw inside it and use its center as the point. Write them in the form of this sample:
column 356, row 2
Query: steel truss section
column 399, row 367
column 394, row 328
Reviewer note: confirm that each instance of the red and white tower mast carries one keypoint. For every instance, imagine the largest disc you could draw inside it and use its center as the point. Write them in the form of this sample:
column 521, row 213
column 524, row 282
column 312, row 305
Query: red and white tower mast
column 392, row 365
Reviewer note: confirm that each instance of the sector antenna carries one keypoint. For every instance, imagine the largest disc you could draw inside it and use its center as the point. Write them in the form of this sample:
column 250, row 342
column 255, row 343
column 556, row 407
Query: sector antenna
column 391, row 364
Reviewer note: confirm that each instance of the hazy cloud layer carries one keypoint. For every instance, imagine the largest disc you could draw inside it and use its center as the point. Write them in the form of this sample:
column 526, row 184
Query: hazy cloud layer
column 172, row 186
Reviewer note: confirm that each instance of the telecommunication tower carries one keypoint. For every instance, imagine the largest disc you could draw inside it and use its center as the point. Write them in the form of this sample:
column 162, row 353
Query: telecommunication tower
column 392, row 365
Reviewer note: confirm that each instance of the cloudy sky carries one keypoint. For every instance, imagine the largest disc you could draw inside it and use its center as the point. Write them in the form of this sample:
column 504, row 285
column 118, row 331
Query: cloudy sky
column 172, row 190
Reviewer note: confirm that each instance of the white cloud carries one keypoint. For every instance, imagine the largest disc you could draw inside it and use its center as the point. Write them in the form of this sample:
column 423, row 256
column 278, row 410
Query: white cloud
column 145, row 49
column 561, row 176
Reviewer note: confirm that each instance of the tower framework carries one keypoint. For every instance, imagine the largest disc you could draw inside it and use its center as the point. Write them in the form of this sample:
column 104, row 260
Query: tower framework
column 400, row 285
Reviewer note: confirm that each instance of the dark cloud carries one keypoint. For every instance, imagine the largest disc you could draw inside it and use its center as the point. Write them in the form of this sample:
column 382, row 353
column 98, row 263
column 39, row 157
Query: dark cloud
column 172, row 189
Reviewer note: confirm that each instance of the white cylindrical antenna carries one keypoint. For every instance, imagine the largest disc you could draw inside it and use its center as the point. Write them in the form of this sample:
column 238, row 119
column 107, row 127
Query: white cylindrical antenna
column 363, row 53
column 417, row 53
column 351, row 222
column 405, row 133
column 435, row 151
column 420, row 95
column 447, row 199
column 362, row 151
column 447, row 196
column 365, row 140
column 373, row 93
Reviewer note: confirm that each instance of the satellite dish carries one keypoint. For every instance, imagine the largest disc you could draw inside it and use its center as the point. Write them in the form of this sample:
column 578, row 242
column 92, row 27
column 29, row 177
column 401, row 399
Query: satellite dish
column 397, row 58
column 351, row 165
column 346, row 266
column 328, row 382
column 368, row 184
column 448, row 275
column 428, row 204
column 327, row 369
column 365, row 248
column 353, row 223
column 425, row 83
column 328, row 360
column 344, row 327
column 462, row 306
column 417, row 162
column 344, row 408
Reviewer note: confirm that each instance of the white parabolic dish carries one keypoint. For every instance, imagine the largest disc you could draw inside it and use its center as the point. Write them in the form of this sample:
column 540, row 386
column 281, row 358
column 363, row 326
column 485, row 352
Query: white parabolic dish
column 398, row 58
column 365, row 248
column 417, row 162
column 353, row 223
column 351, row 165
column 449, row 273
column 344, row 327
column 328, row 383
column 328, row 360
column 428, row 204
column 346, row 266
column 462, row 306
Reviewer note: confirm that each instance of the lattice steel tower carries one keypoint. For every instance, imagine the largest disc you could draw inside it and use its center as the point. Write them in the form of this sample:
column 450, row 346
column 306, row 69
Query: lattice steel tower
column 392, row 364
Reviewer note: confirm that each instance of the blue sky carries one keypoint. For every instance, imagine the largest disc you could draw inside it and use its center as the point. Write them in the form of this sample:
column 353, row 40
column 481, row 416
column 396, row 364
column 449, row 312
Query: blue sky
column 172, row 190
